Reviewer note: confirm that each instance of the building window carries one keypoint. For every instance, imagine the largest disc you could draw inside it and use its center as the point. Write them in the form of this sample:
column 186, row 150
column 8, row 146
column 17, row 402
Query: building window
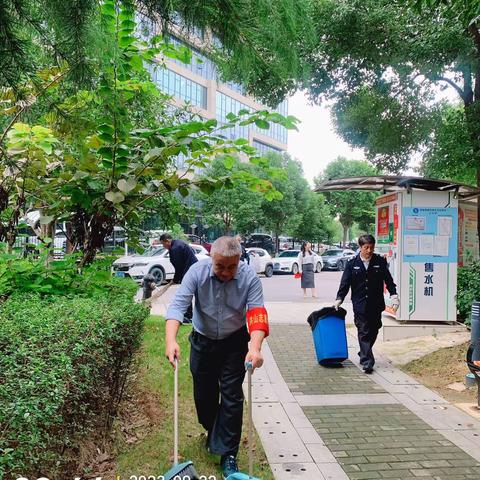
column 264, row 148
column 199, row 64
column 180, row 87
column 226, row 104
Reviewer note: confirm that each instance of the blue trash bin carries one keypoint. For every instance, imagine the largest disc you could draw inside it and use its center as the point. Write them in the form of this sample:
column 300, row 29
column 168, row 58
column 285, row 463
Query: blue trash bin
column 329, row 335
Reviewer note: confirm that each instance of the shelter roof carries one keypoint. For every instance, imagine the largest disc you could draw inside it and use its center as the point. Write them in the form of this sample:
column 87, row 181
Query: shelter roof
column 388, row 183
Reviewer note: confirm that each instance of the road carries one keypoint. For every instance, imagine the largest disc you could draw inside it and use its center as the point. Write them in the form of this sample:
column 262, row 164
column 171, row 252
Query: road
column 280, row 289
column 286, row 288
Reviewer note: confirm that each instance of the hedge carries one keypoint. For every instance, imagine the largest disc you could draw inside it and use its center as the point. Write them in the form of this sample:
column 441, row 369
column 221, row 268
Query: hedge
column 468, row 289
column 63, row 364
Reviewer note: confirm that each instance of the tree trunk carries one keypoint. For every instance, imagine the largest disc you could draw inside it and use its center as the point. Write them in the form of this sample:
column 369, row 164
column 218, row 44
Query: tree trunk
column 472, row 115
column 345, row 234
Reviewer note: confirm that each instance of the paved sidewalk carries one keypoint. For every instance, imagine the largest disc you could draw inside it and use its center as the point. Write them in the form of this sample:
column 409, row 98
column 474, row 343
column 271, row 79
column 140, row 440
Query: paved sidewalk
column 340, row 424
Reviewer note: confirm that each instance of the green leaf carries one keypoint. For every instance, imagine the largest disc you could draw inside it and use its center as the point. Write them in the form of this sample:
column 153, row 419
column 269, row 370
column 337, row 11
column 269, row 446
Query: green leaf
column 105, row 152
column 115, row 197
column 137, row 63
column 231, row 117
column 262, row 124
column 46, row 219
column 241, row 141
column 126, row 186
column 183, row 191
column 126, row 41
column 106, row 137
column 228, row 161
column 105, row 128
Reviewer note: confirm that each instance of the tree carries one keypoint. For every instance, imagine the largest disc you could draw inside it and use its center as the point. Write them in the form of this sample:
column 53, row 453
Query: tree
column 283, row 215
column 350, row 207
column 316, row 224
column 235, row 206
column 116, row 155
column 450, row 155
column 260, row 42
column 383, row 61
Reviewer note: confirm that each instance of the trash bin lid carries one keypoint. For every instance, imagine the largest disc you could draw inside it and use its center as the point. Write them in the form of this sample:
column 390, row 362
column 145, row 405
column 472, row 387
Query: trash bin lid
column 325, row 312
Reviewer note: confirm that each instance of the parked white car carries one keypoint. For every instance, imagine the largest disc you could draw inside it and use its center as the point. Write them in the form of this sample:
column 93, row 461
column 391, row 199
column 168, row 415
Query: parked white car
column 287, row 261
column 154, row 260
column 261, row 261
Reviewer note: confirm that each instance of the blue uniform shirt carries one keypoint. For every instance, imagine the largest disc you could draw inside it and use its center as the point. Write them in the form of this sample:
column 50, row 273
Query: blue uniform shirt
column 220, row 307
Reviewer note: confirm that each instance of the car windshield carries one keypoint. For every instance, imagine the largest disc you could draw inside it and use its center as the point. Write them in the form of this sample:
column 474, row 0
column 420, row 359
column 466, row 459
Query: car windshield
column 289, row 253
column 329, row 253
column 152, row 251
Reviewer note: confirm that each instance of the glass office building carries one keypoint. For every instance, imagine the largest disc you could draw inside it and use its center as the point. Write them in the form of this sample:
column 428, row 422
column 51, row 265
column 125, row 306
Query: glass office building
column 198, row 83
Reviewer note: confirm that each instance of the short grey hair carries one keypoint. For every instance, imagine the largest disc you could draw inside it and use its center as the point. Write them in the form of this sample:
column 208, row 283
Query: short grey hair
column 226, row 247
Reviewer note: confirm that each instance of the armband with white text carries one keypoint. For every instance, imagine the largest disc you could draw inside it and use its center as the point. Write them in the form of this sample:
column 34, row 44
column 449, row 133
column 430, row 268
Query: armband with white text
column 257, row 319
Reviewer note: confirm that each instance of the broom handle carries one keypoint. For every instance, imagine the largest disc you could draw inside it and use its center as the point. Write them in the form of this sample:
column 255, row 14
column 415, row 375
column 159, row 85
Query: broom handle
column 250, row 420
column 175, row 414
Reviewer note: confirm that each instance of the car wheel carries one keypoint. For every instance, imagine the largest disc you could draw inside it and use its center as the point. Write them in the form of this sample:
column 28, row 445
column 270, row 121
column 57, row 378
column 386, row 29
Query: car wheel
column 341, row 266
column 294, row 268
column 158, row 274
column 269, row 271
column 318, row 268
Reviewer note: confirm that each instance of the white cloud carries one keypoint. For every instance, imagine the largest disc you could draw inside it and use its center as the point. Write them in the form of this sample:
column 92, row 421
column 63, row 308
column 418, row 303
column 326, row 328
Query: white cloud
column 316, row 143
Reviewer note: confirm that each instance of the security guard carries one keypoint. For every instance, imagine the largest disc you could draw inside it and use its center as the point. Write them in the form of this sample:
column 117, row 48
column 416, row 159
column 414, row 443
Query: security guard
column 366, row 275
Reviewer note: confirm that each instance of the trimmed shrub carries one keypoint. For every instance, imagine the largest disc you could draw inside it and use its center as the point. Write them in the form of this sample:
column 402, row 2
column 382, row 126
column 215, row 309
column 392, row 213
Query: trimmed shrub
column 63, row 365
column 468, row 289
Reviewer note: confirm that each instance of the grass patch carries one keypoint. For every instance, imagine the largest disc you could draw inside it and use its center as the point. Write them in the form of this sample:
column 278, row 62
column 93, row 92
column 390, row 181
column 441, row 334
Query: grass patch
column 152, row 455
column 441, row 368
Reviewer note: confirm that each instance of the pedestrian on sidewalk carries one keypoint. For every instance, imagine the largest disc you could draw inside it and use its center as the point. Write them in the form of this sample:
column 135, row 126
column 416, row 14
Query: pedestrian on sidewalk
column 306, row 264
column 245, row 257
column 182, row 257
column 366, row 274
column 229, row 313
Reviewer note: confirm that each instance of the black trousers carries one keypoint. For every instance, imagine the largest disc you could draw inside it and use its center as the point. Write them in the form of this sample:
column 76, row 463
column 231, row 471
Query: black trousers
column 218, row 371
column 368, row 324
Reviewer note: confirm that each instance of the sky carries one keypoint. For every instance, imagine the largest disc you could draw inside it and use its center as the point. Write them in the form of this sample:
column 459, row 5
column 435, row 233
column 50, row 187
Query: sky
column 316, row 143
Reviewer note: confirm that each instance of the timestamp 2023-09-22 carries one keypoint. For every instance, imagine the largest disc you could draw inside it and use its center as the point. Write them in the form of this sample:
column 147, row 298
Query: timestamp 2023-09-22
column 131, row 477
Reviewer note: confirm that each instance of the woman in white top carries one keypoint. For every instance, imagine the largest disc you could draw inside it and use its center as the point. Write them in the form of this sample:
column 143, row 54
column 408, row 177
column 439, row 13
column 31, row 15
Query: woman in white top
column 306, row 263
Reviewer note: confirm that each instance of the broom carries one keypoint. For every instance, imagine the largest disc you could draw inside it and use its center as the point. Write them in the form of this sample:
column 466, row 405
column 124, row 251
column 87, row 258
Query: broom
column 240, row 475
column 185, row 469
column 158, row 292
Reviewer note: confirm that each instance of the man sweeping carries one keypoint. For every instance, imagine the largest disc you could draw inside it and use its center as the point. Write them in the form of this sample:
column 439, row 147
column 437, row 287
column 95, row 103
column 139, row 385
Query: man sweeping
column 229, row 313
column 366, row 274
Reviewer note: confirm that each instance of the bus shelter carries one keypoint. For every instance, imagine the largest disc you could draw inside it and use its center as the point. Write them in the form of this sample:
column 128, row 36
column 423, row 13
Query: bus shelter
column 426, row 228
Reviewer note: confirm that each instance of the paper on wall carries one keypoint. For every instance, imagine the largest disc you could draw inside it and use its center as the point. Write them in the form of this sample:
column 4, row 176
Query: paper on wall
column 410, row 244
column 426, row 245
column 444, row 226
column 441, row 246
column 414, row 223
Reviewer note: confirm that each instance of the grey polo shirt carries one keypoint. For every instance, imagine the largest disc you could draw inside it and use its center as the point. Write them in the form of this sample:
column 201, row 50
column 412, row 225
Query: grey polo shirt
column 220, row 307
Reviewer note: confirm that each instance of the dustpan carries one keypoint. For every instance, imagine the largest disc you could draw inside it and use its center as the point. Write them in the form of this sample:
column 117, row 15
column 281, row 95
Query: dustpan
column 241, row 475
column 184, row 469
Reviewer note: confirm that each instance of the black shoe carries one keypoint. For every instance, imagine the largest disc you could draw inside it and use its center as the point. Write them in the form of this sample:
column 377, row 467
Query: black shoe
column 229, row 465
column 368, row 370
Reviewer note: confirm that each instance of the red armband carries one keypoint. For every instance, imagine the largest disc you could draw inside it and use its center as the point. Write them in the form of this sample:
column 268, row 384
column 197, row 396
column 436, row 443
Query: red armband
column 257, row 319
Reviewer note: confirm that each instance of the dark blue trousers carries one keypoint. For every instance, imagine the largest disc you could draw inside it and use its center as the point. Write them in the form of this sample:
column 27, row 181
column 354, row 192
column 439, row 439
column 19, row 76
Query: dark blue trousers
column 368, row 324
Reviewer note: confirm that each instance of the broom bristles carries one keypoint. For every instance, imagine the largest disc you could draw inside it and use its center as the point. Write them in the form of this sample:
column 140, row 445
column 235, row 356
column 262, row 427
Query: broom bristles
column 188, row 471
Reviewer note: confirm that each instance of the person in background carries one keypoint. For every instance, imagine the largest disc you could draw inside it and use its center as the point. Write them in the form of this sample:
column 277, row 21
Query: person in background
column 182, row 257
column 245, row 257
column 306, row 265
column 229, row 313
column 366, row 274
